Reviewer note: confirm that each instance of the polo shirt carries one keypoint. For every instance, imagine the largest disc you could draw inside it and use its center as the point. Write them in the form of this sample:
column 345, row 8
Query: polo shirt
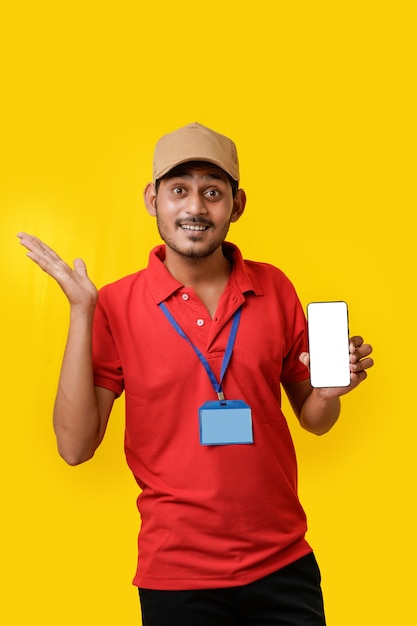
column 211, row 516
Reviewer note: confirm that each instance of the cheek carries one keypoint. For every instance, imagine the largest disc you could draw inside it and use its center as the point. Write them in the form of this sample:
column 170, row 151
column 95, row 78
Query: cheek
column 166, row 207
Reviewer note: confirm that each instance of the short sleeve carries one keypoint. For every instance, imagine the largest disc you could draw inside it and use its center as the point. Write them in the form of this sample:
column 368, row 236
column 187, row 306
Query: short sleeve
column 296, row 341
column 107, row 368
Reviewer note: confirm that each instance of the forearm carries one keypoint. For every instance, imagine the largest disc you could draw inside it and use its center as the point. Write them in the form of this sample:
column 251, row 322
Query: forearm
column 319, row 414
column 76, row 412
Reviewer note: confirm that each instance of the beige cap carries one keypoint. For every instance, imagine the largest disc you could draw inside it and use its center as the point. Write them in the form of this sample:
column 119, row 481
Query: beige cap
column 195, row 143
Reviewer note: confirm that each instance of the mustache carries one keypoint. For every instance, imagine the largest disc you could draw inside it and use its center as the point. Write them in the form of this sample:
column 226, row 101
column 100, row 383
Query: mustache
column 201, row 221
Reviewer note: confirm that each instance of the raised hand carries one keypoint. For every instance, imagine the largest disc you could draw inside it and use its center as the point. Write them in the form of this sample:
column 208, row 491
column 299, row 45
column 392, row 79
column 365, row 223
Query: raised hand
column 75, row 283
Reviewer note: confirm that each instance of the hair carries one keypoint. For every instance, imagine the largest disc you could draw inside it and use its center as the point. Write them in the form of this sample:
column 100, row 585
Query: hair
column 178, row 169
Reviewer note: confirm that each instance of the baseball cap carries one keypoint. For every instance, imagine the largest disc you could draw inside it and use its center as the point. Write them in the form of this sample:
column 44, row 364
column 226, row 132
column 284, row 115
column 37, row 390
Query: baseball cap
column 195, row 142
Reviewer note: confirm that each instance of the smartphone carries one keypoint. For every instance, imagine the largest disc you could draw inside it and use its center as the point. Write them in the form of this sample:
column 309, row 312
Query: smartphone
column 328, row 338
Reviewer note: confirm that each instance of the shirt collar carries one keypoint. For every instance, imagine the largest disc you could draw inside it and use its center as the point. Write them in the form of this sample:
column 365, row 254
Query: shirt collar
column 162, row 284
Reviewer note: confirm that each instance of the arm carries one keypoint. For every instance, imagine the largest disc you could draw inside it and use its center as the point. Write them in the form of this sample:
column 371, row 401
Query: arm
column 319, row 409
column 81, row 410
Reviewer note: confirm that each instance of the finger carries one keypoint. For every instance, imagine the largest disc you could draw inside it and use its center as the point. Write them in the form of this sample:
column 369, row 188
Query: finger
column 36, row 246
column 305, row 358
column 46, row 258
column 29, row 241
column 365, row 350
column 355, row 343
column 362, row 365
column 80, row 267
column 357, row 378
column 360, row 353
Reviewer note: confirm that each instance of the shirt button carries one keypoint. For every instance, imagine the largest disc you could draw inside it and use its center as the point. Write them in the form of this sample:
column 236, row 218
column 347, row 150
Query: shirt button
column 200, row 322
column 185, row 296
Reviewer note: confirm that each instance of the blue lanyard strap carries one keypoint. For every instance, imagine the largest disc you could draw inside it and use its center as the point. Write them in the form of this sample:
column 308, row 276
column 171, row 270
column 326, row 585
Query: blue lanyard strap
column 228, row 353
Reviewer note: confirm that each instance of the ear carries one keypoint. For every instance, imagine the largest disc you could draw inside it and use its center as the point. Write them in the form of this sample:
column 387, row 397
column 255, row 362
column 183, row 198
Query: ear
column 149, row 196
column 239, row 203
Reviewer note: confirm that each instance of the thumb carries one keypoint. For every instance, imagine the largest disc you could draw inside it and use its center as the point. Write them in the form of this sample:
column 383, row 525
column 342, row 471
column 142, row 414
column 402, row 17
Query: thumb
column 80, row 267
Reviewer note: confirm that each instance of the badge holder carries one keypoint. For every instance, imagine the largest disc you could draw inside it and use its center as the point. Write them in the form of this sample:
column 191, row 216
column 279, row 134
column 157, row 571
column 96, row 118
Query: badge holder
column 225, row 422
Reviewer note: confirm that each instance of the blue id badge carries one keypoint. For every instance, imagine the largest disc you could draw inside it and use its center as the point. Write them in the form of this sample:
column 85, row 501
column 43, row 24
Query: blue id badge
column 225, row 422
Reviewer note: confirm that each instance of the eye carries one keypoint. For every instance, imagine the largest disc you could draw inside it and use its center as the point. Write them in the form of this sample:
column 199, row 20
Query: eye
column 178, row 190
column 212, row 193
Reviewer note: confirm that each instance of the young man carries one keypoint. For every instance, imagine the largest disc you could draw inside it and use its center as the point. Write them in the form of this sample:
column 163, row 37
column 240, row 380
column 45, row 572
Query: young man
column 201, row 342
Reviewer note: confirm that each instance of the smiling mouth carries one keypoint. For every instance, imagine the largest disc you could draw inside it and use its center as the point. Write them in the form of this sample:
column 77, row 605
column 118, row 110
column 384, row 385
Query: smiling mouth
column 194, row 227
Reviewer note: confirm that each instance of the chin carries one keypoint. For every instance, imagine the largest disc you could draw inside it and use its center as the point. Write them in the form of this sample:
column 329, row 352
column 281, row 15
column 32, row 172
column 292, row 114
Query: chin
column 194, row 251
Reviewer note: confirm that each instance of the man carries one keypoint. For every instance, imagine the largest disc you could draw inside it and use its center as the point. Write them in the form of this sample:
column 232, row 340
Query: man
column 200, row 342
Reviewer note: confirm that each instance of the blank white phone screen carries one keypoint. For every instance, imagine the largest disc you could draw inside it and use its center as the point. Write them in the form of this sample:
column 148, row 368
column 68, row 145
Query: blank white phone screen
column 328, row 337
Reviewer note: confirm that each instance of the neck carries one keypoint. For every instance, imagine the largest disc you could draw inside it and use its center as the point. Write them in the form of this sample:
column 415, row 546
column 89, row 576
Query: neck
column 193, row 272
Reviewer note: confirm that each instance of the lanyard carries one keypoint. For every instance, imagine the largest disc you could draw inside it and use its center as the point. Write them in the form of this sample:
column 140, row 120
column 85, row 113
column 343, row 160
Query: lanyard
column 228, row 353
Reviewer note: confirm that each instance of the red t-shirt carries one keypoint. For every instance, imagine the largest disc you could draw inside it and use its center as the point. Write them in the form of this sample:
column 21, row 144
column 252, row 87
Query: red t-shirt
column 212, row 516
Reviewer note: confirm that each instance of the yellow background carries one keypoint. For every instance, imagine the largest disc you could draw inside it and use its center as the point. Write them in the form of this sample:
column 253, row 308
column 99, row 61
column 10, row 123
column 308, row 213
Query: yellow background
column 320, row 98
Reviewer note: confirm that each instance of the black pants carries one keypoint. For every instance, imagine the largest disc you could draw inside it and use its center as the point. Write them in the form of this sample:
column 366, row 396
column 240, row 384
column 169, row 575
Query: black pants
column 289, row 597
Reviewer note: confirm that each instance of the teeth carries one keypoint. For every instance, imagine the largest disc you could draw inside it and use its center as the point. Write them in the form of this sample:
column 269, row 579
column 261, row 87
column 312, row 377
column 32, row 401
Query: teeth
column 193, row 227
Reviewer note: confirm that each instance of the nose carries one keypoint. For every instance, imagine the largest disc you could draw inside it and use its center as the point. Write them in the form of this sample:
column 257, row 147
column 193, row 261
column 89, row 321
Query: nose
column 196, row 204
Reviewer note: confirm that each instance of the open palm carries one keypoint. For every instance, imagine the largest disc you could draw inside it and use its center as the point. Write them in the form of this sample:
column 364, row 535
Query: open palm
column 75, row 283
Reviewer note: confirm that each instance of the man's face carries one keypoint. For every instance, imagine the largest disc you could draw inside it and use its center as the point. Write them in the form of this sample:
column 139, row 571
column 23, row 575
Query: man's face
column 194, row 209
